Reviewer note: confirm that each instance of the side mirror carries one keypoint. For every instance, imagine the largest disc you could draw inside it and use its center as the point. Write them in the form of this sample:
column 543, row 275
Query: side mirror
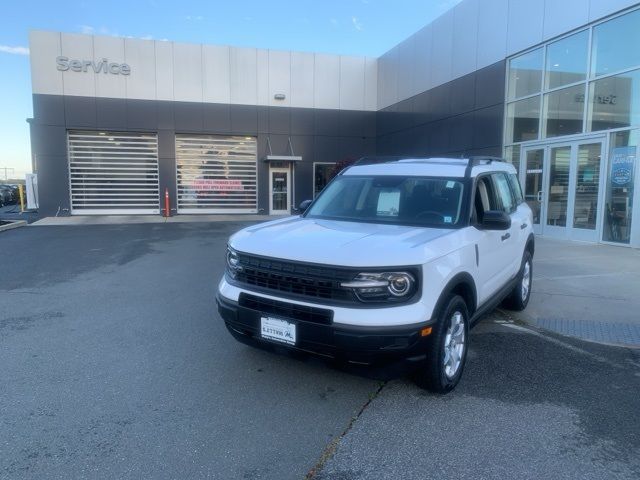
column 495, row 220
column 304, row 205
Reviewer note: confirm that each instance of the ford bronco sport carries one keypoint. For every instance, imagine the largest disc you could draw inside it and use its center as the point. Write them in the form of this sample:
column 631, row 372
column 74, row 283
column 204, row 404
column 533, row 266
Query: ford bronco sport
column 393, row 261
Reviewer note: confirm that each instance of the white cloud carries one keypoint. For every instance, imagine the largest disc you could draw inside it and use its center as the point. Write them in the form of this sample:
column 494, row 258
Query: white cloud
column 357, row 24
column 195, row 18
column 334, row 22
column 14, row 50
column 89, row 30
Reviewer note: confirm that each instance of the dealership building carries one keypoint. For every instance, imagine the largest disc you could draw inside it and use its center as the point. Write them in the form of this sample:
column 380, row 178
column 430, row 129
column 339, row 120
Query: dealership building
column 554, row 87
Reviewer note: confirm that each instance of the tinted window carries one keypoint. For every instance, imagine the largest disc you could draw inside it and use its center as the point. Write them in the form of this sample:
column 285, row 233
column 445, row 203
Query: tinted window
column 503, row 192
column 515, row 188
column 525, row 74
column 392, row 199
column 614, row 44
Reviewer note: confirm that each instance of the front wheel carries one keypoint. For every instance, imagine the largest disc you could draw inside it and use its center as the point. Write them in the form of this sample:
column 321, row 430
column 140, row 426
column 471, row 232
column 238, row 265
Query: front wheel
column 442, row 369
column 519, row 297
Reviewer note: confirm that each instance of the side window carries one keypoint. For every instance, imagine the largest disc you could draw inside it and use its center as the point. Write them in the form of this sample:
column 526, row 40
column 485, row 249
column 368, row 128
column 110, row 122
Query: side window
column 484, row 199
column 515, row 188
column 503, row 191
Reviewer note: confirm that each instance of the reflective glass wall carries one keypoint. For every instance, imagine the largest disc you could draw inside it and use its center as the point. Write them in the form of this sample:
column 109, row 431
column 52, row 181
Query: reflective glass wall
column 588, row 81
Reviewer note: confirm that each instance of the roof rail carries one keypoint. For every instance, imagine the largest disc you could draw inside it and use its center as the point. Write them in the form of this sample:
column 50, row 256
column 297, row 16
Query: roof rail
column 478, row 160
column 383, row 159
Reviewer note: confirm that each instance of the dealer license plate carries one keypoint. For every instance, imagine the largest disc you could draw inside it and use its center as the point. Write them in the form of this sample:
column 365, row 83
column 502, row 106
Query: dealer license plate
column 278, row 330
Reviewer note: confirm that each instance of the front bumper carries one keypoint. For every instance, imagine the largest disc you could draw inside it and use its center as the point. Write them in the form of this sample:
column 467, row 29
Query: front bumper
column 367, row 345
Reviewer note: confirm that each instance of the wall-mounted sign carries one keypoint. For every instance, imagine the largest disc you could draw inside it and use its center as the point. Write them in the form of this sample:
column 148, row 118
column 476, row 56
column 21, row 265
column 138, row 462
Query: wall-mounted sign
column 101, row 66
column 214, row 185
column 622, row 162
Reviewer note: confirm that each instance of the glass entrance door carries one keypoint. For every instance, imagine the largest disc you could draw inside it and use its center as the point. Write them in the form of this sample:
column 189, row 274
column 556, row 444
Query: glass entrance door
column 563, row 187
column 279, row 186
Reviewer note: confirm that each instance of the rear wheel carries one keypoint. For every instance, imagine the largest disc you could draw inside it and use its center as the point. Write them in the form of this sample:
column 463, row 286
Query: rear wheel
column 519, row 297
column 442, row 369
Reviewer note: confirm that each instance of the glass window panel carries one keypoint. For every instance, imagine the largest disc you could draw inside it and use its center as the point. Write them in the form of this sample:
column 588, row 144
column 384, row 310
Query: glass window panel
column 615, row 101
column 525, row 74
column 614, row 44
column 585, row 210
column 620, row 186
column 523, row 120
column 567, row 60
column 564, row 111
column 558, row 186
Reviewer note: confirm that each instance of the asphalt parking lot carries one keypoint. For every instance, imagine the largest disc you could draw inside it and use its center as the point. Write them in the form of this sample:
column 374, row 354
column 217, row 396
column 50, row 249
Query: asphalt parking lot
column 115, row 364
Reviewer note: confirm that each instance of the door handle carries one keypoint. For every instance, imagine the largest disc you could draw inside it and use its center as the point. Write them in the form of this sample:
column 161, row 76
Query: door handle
column 505, row 236
column 539, row 196
column 523, row 226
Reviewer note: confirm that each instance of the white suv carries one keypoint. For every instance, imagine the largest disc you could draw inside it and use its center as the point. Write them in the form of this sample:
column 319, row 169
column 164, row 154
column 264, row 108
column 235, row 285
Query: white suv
column 393, row 261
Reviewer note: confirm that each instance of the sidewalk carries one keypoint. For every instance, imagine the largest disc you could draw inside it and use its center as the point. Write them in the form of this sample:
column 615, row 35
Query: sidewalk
column 587, row 291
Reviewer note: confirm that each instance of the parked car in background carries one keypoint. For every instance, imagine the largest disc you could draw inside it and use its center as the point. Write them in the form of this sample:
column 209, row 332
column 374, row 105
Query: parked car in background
column 9, row 194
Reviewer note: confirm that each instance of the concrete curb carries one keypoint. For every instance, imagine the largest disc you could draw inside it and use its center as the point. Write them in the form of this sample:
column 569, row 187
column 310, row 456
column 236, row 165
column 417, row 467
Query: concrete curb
column 13, row 224
column 143, row 219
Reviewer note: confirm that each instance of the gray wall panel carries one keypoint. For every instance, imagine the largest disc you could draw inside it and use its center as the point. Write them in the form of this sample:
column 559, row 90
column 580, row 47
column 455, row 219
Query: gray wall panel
column 49, row 109
column 463, row 94
column 216, row 118
column 279, row 120
column 142, row 114
column 53, row 185
column 111, row 114
column 188, row 116
column 166, row 120
column 488, row 126
column 80, row 112
column 167, row 167
column 490, row 85
column 303, row 121
column 327, row 122
column 244, row 119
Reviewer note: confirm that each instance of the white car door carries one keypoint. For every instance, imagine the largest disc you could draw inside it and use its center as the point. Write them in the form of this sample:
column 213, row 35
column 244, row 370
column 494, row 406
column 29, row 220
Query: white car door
column 493, row 261
column 512, row 245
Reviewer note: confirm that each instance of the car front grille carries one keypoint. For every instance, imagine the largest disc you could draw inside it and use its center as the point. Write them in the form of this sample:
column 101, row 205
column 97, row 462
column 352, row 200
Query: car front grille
column 295, row 278
column 286, row 310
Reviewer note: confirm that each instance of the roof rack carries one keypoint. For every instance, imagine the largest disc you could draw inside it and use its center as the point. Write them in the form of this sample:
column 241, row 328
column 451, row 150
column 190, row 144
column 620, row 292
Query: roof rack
column 383, row 159
column 478, row 160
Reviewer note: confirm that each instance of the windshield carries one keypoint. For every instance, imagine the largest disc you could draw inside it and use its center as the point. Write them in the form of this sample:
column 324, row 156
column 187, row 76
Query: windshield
column 424, row 201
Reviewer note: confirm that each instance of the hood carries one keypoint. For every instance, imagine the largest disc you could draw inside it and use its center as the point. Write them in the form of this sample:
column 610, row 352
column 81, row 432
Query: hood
column 333, row 242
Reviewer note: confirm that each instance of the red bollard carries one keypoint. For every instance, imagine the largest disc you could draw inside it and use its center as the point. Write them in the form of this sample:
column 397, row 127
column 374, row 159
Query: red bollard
column 167, row 211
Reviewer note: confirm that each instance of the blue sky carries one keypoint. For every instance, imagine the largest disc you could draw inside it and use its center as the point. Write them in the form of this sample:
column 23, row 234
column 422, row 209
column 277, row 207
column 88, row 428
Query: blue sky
column 359, row 27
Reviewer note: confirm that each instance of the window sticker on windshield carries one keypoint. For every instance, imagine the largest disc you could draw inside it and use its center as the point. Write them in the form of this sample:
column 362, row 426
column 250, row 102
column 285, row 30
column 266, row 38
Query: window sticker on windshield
column 447, row 219
column 451, row 184
column 388, row 203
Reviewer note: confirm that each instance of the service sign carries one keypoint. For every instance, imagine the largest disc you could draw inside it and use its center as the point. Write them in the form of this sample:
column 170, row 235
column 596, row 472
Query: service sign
column 622, row 162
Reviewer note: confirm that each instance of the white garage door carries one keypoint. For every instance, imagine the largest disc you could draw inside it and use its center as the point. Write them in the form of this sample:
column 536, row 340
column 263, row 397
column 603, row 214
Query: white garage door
column 216, row 174
column 113, row 173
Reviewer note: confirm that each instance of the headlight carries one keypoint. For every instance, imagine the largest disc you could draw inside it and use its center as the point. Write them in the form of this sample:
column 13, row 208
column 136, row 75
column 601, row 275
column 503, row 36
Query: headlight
column 394, row 286
column 233, row 262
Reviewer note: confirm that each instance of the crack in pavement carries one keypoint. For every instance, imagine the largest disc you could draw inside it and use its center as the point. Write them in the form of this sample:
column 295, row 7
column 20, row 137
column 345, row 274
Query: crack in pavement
column 331, row 448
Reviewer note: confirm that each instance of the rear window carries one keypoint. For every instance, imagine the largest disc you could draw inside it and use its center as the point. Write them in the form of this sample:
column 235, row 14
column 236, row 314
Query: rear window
column 409, row 200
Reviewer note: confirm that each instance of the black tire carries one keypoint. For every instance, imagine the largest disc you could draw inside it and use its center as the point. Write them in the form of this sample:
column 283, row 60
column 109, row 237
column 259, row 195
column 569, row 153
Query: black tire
column 433, row 374
column 517, row 300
